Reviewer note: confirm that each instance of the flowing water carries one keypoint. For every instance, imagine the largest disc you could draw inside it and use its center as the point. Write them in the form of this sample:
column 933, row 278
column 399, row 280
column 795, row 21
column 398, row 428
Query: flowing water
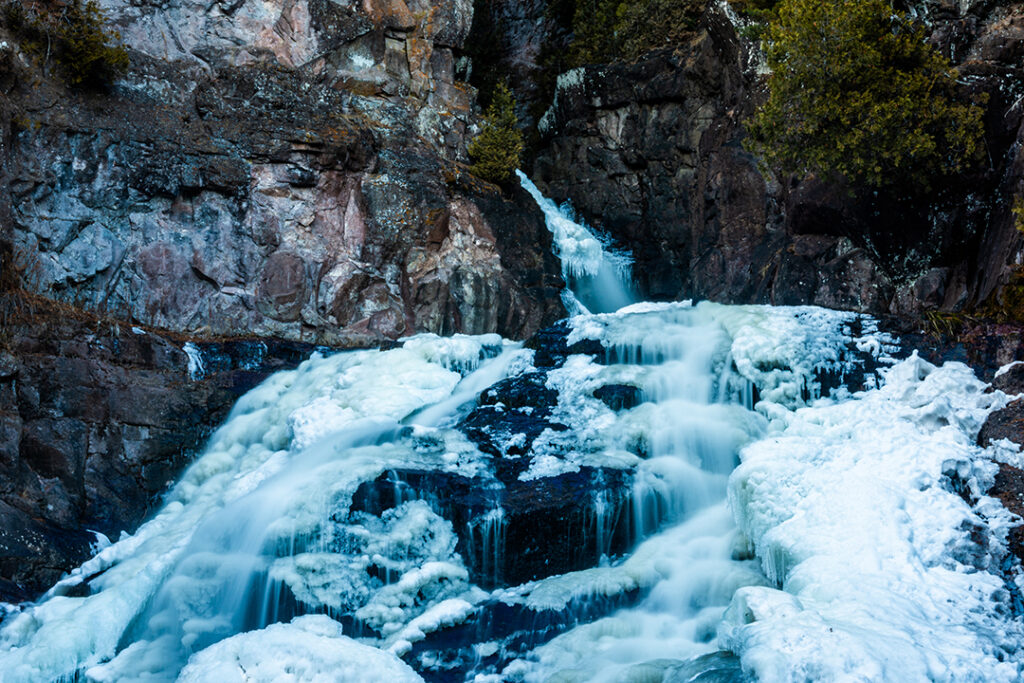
column 468, row 508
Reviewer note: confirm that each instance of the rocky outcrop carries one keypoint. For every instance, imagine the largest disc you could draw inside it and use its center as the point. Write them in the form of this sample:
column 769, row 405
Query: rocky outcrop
column 1009, row 489
column 651, row 152
column 285, row 168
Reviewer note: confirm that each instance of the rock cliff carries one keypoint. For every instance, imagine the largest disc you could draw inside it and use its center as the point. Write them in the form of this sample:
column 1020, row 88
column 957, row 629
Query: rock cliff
column 651, row 152
column 287, row 168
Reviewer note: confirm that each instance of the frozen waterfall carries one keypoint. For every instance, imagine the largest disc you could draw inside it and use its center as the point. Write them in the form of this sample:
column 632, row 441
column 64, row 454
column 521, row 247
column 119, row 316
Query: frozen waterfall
column 597, row 280
column 644, row 492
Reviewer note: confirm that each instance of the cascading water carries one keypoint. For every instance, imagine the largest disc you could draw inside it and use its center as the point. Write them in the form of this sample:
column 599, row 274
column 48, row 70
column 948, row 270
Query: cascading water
column 597, row 280
column 471, row 509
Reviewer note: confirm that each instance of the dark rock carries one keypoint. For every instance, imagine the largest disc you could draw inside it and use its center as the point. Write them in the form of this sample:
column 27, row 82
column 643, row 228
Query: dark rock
column 985, row 346
column 34, row 554
column 449, row 654
column 101, row 422
column 619, row 396
column 1011, row 381
column 1009, row 489
column 508, row 435
column 551, row 348
column 8, row 366
column 522, row 391
column 1007, row 423
column 517, row 531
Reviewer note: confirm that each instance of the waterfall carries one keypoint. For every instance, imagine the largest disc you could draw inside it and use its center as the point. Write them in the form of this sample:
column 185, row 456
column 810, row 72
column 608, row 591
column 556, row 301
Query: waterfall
column 625, row 499
column 597, row 280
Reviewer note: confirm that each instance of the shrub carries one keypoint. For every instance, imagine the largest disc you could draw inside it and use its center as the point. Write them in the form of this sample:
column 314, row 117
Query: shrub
column 593, row 29
column 495, row 153
column 607, row 30
column 758, row 12
column 72, row 34
column 651, row 24
column 1018, row 213
column 856, row 91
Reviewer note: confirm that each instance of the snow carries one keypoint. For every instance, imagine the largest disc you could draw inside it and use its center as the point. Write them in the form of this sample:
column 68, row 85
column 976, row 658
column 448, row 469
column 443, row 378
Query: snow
column 310, row 648
column 446, row 613
column 460, row 353
column 848, row 511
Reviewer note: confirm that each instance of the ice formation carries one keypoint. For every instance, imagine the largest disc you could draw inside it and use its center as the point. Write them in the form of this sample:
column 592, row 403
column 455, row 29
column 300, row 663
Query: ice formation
column 889, row 574
column 597, row 279
column 814, row 530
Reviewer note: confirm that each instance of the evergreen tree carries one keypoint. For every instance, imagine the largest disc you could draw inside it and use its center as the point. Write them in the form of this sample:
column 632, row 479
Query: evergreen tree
column 593, row 24
column 495, row 153
column 652, row 24
column 856, row 91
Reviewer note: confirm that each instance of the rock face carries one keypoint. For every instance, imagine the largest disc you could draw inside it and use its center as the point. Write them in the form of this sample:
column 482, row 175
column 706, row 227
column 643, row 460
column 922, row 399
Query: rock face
column 1008, row 424
column 287, row 168
column 281, row 169
column 95, row 420
column 651, row 152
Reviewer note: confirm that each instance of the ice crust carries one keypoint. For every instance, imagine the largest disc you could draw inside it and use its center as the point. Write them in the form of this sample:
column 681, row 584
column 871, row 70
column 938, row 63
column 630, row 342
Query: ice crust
column 872, row 568
column 889, row 575
column 310, row 648
column 836, row 550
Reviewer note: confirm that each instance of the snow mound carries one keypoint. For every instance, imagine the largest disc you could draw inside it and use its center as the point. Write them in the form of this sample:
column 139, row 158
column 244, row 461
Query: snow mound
column 310, row 649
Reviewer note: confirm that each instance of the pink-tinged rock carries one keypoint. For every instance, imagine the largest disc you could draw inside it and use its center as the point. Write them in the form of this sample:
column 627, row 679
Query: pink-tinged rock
column 283, row 287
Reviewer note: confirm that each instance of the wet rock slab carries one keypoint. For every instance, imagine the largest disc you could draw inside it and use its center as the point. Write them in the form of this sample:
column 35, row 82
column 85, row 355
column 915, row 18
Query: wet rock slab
column 517, row 531
column 1007, row 423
